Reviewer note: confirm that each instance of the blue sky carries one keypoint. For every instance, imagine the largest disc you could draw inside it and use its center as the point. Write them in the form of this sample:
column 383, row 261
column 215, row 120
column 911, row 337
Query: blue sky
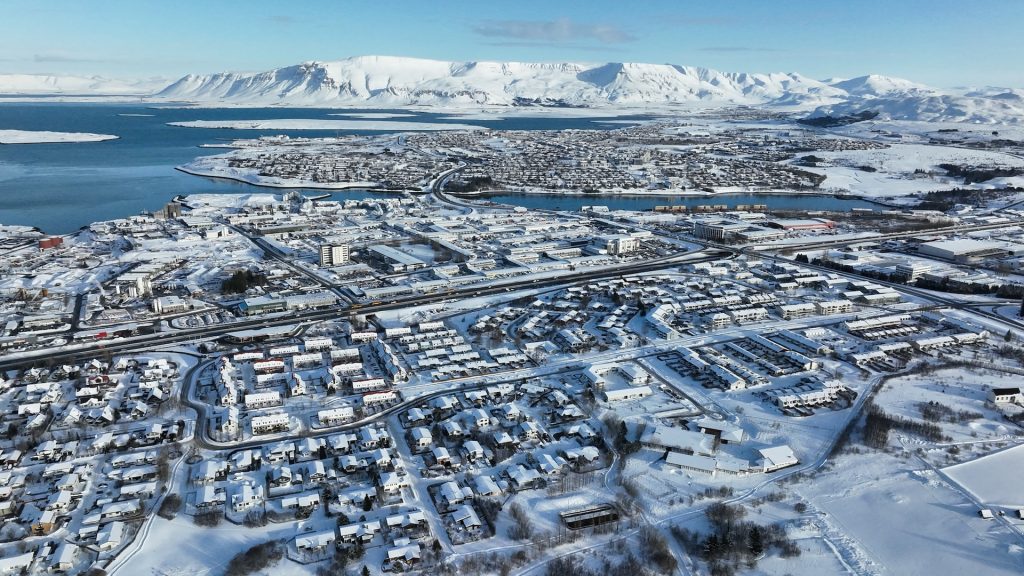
column 940, row 42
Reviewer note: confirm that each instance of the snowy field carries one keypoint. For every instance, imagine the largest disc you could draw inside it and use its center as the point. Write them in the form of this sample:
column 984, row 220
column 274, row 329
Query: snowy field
column 43, row 137
column 929, row 528
column 957, row 389
column 994, row 479
column 930, row 130
column 200, row 551
column 894, row 169
column 320, row 124
column 816, row 557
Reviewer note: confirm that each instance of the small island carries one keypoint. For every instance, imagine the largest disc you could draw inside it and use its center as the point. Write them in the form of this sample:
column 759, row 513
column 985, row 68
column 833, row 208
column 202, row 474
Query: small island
column 44, row 137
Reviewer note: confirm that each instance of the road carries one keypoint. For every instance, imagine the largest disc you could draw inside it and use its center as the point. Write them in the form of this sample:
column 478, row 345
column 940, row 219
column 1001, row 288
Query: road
column 288, row 262
column 817, row 245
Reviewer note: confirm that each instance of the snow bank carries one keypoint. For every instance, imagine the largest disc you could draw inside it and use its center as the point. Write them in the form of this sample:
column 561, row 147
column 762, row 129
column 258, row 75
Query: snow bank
column 373, row 115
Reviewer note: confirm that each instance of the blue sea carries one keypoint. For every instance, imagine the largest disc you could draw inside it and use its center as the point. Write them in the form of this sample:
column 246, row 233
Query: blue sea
column 61, row 187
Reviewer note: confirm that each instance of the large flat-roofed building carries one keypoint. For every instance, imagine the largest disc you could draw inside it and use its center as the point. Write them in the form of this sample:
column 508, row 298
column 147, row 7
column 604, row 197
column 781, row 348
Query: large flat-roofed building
column 911, row 271
column 961, row 249
column 334, row 254
column 618, row 244
column 800, row 223
column 170, row 305
column 717, row 230
column 726, row 230
column 261, row 305
column 395, row 260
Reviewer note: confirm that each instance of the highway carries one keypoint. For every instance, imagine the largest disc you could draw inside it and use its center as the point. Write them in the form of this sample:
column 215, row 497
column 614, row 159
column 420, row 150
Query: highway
column 164, row 339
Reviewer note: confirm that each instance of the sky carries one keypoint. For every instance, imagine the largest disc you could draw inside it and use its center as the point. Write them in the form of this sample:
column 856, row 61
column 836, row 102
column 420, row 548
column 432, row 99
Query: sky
column 944, row 43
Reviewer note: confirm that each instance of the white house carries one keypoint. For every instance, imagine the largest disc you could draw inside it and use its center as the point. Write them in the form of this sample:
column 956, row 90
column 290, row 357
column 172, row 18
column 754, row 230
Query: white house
column 392, row 482
column 246, row 498
column 110, row 536
column 315, row 541
column 420, row 438
column 777, row 457
column 626, row 394
column 1012, row 395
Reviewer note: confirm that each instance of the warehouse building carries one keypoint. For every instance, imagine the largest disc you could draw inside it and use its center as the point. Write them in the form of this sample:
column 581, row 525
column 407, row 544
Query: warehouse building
column 961, row 249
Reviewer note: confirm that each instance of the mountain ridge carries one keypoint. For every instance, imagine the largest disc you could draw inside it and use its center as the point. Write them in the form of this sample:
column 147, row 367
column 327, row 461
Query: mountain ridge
column 396, row 81
column 55, row 84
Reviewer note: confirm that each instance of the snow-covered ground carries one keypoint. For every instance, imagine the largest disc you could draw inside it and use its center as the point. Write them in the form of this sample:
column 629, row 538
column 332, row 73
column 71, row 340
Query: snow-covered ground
column 993, row 479
column 43, row 137
column 321, row 124
column 894, row 169
column 928, row 527
column 201, row 551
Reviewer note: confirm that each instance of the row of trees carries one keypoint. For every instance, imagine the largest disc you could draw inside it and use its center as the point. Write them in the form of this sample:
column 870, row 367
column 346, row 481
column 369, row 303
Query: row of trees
column 878, row 424
column 933, row 411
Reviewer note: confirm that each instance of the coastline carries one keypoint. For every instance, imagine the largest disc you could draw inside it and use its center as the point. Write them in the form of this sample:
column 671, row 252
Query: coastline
column 376, row 187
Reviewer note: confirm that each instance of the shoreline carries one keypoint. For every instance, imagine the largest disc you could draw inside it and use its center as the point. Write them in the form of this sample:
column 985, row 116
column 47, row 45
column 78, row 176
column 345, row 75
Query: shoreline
column 368, row 186
column 375, row 187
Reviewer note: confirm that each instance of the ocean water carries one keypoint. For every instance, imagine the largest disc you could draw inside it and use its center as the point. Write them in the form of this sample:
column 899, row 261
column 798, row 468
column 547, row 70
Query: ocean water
column 62, row 187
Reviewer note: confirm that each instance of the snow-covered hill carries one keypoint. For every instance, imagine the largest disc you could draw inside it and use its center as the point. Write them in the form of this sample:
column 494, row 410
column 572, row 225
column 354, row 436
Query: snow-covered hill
column 44, row 84
column 1003, row 108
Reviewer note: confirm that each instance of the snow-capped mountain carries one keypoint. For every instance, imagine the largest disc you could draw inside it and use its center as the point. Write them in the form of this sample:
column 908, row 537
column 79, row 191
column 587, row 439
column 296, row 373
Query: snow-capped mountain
column 386, row 81
column 875, row 86
column 380, row 80
column 44, row 84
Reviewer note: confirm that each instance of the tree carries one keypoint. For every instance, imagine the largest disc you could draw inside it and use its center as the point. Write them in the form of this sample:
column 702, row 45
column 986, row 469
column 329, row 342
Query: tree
column 208, row 519
column 366, row 570
column 367, row 503
column 170, row 506
column 255, row 559
column 756, row 539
